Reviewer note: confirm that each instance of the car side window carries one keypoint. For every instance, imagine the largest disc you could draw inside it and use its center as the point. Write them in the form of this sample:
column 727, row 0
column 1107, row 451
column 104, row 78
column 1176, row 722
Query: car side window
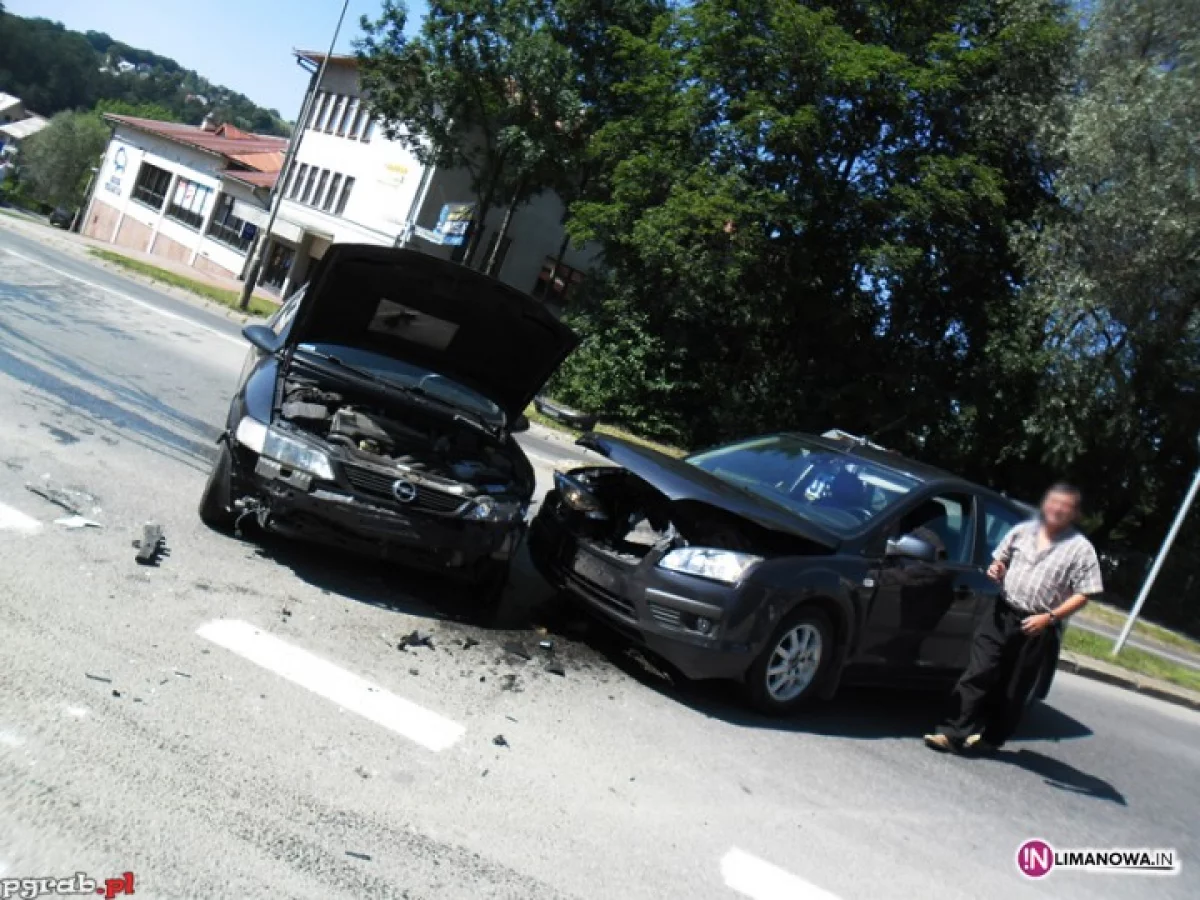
column 947, row 522
column 998, row 520
column 282, row 319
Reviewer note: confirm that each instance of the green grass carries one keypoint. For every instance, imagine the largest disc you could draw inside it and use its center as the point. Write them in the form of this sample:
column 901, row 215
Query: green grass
column 258, row 306
column 1115, row 618
column 603, row 428
column 1085, row 643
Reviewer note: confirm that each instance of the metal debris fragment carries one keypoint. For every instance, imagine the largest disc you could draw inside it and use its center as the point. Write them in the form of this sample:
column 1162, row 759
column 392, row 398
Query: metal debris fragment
column 500, row 741
column 415, row 639
column 150, row 547
column 103, row 678
column 363, row 856
column 59, row 498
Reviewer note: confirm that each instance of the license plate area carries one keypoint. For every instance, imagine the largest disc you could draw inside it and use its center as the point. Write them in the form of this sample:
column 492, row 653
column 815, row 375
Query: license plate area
column 595, row 570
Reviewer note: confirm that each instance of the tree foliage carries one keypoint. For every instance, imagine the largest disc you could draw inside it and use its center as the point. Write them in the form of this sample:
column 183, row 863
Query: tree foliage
column 52, row 68
column 57, row 161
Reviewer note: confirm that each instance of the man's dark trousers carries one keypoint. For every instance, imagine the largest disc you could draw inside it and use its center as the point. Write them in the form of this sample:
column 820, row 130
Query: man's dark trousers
column 1004, row 667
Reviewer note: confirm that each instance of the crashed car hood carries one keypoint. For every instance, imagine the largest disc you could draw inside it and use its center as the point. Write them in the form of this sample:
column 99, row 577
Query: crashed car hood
column 435, row 314
column 679, row 480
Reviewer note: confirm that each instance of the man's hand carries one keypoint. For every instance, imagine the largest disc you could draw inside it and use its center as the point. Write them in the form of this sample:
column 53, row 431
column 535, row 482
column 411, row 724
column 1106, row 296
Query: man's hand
column 1035, row 624
column 996, row 570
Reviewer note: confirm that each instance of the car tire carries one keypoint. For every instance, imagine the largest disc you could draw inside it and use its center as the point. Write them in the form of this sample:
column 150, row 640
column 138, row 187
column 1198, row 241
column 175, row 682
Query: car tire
column 807, row 632
column 216, row 503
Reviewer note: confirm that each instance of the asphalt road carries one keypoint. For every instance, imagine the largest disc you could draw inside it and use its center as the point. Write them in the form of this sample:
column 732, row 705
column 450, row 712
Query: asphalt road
column 237, row 721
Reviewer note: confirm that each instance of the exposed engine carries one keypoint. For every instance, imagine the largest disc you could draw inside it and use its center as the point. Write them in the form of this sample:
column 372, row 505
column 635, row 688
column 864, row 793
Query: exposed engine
column 434, row 448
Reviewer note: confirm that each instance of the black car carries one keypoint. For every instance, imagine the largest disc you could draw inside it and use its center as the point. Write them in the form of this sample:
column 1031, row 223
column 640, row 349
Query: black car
column 788, row 561
column 377, row 413
column 62, row 217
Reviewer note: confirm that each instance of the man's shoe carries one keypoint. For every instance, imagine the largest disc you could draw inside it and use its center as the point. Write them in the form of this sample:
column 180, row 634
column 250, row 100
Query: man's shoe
column 940, row 743
column 979, row 745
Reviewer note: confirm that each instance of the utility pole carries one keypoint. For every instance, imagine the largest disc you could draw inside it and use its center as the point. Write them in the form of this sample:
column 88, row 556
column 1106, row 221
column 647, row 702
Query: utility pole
column 289, row 160
column 1162, row 555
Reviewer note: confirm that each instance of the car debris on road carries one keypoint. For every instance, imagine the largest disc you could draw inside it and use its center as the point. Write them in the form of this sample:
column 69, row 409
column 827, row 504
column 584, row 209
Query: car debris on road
column 151, row 546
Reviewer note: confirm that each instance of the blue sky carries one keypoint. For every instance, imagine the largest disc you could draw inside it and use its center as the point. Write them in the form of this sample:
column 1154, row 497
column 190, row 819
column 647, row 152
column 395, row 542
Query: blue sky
column 243, row 44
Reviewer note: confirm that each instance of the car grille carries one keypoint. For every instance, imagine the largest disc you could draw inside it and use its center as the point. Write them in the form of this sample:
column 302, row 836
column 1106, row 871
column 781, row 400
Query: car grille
column 613, row 601
column 379, row 484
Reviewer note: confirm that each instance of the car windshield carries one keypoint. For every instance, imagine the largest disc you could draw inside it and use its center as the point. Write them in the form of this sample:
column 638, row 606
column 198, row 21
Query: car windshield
column 413, row 377
column 834, row 489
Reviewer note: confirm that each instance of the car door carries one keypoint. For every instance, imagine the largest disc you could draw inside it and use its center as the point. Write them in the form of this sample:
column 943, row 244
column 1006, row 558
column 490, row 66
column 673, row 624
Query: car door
column 923, row 613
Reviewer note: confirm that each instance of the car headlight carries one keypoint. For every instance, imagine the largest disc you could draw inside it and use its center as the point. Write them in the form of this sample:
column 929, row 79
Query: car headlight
column 285, row 450
column 725, row 566
column 577, row 497
column 489, row 509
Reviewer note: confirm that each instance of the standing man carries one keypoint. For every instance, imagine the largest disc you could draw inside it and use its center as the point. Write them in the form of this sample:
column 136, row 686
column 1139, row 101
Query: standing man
column 1048, row 570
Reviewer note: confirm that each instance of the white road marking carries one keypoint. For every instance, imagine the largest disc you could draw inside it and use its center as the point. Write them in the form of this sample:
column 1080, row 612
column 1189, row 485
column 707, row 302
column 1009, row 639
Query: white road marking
column 323, row 678
column 15, row 520
column 166, row 314
column 757, row 878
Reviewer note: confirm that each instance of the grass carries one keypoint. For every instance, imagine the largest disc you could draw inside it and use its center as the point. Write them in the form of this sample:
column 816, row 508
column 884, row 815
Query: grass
column 603, row 428
column 258, row 306
column 1085, row 643
column 1115, row 618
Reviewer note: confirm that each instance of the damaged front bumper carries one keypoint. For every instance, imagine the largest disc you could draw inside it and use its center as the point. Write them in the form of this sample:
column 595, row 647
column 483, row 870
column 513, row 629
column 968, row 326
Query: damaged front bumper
column 295, row 505
column 700, row 627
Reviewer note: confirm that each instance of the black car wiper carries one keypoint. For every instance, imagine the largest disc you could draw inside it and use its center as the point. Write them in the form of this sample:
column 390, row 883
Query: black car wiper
column 415, row 390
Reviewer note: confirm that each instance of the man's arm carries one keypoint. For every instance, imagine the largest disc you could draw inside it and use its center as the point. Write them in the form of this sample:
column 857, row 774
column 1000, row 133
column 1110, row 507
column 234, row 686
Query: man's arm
column 1085, row 583
column 1003, row 555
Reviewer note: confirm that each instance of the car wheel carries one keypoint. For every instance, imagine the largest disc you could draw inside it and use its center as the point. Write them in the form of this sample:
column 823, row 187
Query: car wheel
column 216, row 504
column 786, row 675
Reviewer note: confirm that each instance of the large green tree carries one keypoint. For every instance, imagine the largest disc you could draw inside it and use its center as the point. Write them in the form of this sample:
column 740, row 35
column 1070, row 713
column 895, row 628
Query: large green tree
column 1114, row 311
column 806, row 219
column 57, row 161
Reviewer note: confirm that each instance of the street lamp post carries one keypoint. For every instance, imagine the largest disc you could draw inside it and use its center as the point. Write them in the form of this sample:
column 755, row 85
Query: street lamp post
column 1162, row 555
column 255, row 267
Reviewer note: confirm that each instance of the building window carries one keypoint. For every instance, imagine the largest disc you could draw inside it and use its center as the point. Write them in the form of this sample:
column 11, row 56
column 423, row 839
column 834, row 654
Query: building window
column 297, row 181
column 319, row 193
column 326, row 109
column 227, row 228
column 334, row 186
column 344, row 197
column 368, row 130
column 348, row 117
column 500, row 257
column 189, row 203
column 309, row 180
column 565, row 281
column 314, row 113
column 151, row 186
column 360, row 121
column 336, row 112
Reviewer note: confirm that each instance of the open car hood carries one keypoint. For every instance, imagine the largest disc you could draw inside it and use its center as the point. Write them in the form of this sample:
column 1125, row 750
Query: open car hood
column 435, row 314
column 678, row 480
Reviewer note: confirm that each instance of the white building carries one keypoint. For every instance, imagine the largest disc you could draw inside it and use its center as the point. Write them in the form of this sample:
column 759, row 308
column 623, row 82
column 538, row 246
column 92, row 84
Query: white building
column 194, row 195
column 16, row 123
column 349, row 183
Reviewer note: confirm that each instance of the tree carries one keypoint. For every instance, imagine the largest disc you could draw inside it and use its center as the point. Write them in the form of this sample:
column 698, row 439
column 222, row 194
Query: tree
column 57, row 161
column 807, row 213
column 1115, row 304
column 155, row 111
column 485, row 87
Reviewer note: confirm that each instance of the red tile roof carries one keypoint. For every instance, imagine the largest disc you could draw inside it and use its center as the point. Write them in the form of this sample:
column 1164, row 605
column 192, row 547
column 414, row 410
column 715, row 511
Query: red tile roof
column 260, row 154
column 254, row 179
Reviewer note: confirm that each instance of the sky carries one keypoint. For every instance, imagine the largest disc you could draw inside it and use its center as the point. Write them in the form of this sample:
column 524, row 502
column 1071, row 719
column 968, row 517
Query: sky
column 243, row 44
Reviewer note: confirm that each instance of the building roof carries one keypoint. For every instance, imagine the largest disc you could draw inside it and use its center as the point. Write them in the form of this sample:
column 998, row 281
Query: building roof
column 315, row 57
column 252, row 155
column 8, row 101
column 23, row 128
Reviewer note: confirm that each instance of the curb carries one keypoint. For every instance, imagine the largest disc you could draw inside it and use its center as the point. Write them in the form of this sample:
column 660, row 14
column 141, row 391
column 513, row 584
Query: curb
column 1130, row 681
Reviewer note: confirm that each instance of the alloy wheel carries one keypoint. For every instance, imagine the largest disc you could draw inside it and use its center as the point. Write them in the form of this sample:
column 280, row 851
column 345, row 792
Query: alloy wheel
column 794, row 662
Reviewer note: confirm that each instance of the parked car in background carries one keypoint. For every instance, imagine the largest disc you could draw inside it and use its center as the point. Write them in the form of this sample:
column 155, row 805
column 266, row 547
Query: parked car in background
column 790, row 562
column 62, row 217
column 377, row 410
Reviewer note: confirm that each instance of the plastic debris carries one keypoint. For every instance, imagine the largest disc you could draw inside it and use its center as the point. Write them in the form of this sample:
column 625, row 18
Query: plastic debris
column 77, row 522
column 366, row 857
column 500, row 741
column 58, row 497
column 415, row 639
column 469, row 642
column 548, row 646
column 556, row 669
column 103, row 678
column 515, row 648
column 150, row 547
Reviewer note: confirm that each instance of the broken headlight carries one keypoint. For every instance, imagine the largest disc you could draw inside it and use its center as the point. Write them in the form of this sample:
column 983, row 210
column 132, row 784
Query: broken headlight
column 725, row 566
column 285, row 450
column 577, row 497
column 487, row 509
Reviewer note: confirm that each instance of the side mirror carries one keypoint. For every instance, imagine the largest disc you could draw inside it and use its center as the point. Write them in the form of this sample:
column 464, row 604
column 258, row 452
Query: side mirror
column 521, row 424
column 911, row 547
column 262, row 337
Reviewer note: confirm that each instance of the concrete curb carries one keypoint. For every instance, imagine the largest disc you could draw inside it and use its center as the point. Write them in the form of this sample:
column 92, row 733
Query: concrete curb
column 1098, row 670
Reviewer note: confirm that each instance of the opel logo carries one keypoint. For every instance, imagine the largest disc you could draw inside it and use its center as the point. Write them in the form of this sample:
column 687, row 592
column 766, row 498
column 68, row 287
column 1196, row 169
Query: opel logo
column 404, row 491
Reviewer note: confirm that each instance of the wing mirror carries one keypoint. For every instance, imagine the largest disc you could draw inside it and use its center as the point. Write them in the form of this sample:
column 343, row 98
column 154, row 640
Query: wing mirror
column 911, row 547
column 263, row 338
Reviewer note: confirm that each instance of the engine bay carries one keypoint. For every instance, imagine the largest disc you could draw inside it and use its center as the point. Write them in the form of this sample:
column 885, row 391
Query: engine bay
column 436, row 449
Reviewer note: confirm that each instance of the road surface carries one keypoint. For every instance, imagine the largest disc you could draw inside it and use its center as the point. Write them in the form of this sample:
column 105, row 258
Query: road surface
column 237, row 721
